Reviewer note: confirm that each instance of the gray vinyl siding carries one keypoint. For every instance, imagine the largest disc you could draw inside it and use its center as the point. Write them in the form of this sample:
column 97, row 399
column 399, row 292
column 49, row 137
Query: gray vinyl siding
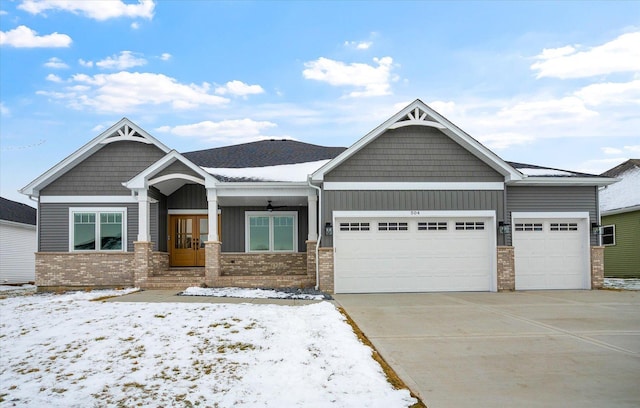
column 414, row 153
column 104, row 172
column 158, row 221
column 54, row 224
column 233, row 227
column 190, row 197
column 466, row 200
column 553, row 199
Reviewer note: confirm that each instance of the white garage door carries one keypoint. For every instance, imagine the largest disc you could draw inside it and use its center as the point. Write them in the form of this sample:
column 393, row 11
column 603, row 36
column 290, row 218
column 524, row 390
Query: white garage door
column 551, row 253
column 395, row 254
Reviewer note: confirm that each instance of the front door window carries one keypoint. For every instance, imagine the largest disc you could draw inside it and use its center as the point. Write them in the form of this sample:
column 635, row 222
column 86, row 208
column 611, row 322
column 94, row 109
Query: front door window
column 187, row 238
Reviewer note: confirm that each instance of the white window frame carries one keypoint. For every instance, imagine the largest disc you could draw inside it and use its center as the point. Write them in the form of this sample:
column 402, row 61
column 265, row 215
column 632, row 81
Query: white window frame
column 270, row 214
column 603, row 234
column 97, row 211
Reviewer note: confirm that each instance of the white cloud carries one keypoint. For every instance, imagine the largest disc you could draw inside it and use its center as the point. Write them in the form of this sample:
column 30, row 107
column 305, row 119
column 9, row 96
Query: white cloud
column 135, row 25
column 54, row 78
column 228, row 131
column 611, row 150
column 24, row 37
column 124, row 92
column 371, row 80
column 611, row 93
column 88, row 64
column 359, row 45
column 165, row 56
column 629, row 150
column 239, row 88
column 4, row 111
column 55, row 63
column 125, row 60
column 96, row 9
column 3, row 13
column 621, row 54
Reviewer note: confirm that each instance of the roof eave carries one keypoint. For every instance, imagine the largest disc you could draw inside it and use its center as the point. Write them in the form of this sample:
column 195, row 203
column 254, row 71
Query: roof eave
column 563, row 181
column 621, row 210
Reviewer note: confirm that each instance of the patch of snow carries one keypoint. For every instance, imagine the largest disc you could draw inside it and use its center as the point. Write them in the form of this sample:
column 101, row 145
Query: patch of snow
column 249, row 293
column 66, row 351
column 625, row 284
column 544, row 172
column 625, row 193
column 284, row 172
column 17, row 290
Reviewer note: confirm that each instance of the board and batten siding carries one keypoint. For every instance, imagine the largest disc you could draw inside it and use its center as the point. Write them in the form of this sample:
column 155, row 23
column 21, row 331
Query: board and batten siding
column 553, row 199
column 17, row 252
column 424, row 200
column 188, row 197
column 233, row 227
column 54, row 224
column 413, row 153
column 622, row 260
column 104, row 172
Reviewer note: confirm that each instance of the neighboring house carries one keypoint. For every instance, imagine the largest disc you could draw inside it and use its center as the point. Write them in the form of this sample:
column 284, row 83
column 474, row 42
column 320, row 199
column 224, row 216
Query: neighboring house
column 17, row 242
column 620, row 212
column 415, row 205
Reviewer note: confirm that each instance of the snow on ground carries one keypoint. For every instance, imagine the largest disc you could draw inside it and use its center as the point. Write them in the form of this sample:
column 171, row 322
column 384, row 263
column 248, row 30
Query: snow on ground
column 282, row 172
column 626, row 284
column 249, row 293
column 66, row 351
column 17, row 290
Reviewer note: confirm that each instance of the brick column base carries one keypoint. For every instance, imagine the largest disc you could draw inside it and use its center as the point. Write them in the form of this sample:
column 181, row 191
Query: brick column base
column 311, row 260
column 143, row 262
column 325, row 260
column 506, row 268
column 597, row 267
column 212, row 263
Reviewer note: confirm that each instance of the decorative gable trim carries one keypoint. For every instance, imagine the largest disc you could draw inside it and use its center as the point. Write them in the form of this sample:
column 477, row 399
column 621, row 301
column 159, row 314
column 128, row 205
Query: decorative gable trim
column 123, row 130
column 418, row 113
column 145, row 178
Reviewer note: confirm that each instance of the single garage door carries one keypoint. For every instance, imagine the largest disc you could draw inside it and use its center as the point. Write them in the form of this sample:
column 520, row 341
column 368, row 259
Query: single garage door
column 395, row 254
column 551, row 253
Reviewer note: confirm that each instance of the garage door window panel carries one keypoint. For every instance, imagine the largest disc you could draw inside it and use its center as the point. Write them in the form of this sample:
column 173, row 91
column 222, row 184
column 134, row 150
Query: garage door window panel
column 432, row 226
column 529, row 226
column 393, row 226
column 470, row 226
column 354, row 226
column 563, row 226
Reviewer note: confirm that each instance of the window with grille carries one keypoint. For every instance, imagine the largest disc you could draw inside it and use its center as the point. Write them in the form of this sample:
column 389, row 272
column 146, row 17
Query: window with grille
column 469, row 225
column 354, row 226
column 609, row 235
column 393, row 226
column 529, row 226
column 563, row 226
column 432, row 226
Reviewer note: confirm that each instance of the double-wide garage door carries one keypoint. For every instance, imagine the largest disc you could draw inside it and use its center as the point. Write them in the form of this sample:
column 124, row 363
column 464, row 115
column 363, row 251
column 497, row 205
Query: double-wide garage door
column 551, row 253
column 413, row 254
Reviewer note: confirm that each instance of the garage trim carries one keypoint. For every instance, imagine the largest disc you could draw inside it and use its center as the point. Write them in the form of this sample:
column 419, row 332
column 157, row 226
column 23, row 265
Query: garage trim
column 491, row 226
column 582, row 216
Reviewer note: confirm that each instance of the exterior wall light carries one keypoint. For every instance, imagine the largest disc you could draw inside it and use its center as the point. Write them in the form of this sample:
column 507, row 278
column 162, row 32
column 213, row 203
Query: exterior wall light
column 504, row 228
column 328, row 229
column 595, row 228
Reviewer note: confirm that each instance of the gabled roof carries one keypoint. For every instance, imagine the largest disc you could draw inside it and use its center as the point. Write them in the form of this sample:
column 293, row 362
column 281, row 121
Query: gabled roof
column 17, row 212
column 540, row 171
column 262, row 154
column 420, row 114
column 622, row 167
column 123, row 130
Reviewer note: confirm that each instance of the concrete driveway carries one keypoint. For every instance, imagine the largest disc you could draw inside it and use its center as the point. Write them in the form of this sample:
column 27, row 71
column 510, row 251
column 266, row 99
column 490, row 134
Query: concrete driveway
column 516, row 349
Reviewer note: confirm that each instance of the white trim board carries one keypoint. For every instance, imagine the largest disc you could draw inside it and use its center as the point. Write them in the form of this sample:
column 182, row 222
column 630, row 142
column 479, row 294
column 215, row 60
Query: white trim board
column 88, row 199
column 187, row 212
column 415, row 214
column 556, row 214
column 412, row 186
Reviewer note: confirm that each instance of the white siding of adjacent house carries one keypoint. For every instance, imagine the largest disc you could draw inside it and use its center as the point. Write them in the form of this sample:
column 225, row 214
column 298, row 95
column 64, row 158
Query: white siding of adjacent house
column 17, row 252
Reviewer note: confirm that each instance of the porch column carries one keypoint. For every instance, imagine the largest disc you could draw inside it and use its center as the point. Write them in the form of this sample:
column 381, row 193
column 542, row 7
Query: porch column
column 312, row 199
column 143, row 216
column 212, row 200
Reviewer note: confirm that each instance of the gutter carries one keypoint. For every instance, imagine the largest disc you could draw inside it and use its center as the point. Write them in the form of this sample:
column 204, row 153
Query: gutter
column 319, row 231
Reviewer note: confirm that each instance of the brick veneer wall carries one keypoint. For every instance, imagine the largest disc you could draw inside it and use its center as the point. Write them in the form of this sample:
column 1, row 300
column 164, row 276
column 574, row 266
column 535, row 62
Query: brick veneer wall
column 597, row 267
column 246, row 264
column 159, row 262
column 506, row 268
column 95, row 269
column 325, row 259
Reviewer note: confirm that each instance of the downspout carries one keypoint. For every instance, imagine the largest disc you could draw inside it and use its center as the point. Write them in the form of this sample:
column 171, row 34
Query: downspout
column 318, row 230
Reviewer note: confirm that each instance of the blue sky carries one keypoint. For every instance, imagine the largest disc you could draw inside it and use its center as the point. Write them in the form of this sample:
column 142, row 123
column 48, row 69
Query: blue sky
column 549, row 83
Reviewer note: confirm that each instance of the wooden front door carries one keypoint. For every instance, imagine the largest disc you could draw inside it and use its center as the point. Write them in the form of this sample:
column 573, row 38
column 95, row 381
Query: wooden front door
column 186, row 240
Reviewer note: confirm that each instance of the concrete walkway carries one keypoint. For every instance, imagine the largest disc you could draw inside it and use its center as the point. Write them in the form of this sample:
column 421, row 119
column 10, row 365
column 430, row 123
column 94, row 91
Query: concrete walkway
column 155, row 296
column 519, row 349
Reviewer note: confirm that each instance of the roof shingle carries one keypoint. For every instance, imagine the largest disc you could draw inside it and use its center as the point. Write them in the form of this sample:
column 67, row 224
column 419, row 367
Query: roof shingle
column 17, row 212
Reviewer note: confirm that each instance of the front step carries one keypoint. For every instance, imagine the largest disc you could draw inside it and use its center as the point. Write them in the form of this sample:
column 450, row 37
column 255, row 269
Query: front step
column 173, row 282
column 181, row 272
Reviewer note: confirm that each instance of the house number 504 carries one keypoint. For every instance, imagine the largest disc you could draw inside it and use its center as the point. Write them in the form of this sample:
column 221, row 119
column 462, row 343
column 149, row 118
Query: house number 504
column 415, row 212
